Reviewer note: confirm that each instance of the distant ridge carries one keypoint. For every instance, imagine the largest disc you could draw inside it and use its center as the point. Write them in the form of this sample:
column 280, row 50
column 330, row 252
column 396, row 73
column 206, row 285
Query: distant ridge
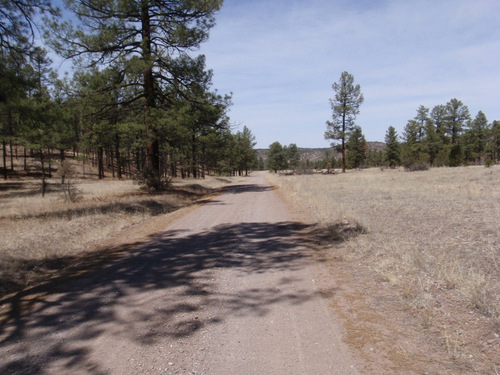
column 317, row 154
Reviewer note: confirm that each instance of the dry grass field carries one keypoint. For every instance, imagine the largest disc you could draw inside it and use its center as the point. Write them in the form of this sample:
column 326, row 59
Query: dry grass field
column 415, row 254
column 431, row 238
column 43, row 235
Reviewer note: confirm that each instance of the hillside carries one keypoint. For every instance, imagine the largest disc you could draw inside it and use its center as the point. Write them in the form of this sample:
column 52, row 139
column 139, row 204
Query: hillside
column 316, row 154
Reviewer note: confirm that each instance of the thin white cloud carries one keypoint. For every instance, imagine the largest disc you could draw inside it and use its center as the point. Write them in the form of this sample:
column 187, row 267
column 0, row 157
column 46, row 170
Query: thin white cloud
column 280, row 58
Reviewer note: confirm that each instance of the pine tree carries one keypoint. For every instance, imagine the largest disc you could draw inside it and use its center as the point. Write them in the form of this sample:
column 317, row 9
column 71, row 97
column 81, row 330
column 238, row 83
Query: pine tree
column 292, row 156
column 345, row 107
column 457, row 115
column 432, row 144
column 246, row 156
column 475, row 138
column 275, row 157
column 15, row 85
column 17, row 26
column 438, row 116
column 411, row 152
column 356, row 148
column 421, row 119
column 147, row 41
column 392, row 147
column 492, row 147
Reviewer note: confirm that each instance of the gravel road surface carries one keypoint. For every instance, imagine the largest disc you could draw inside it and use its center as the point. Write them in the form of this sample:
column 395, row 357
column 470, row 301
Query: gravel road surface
column 228, row 288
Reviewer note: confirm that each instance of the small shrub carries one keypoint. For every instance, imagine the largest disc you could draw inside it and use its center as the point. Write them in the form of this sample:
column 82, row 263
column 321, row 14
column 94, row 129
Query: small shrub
column 455, row 155
column 343, row 230
column 151, row 181
column 417, row 167
column 304, row 170
column 65, row 171
column 441, row 159
column 71, row 192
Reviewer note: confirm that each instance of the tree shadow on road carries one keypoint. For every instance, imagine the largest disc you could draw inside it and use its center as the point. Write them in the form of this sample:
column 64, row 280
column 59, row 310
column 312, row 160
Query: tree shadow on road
column 245, row 188
column 142, row 293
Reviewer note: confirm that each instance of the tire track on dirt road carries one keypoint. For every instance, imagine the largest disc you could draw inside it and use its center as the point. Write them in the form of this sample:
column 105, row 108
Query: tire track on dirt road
column 226, row 289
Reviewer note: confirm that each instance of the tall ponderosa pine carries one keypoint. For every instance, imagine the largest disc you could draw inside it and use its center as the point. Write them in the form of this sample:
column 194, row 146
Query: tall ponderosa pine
column 457, row 115
column 421, row 119
column 438, row 116
column 147, row 39
column 40, row 112
column 345, row 107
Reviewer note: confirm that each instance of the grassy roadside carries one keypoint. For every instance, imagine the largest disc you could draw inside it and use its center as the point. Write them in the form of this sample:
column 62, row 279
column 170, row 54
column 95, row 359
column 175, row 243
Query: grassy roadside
column 41, row 236
column 431, row 239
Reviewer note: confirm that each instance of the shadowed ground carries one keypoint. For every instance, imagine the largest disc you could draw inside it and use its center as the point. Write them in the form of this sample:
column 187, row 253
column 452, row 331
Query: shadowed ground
column 177, row 301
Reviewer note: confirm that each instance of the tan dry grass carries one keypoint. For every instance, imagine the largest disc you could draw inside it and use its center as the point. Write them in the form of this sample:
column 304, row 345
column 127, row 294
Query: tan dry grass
column 36, row 230
column 428, row 233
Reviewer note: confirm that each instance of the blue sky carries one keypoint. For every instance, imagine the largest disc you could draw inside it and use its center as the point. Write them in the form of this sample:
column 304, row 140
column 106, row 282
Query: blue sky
column 279, row 58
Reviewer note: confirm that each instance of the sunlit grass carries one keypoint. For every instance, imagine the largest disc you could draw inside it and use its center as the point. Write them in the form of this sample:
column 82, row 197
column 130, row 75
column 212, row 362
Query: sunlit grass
column 425, row 230
column 34, row 229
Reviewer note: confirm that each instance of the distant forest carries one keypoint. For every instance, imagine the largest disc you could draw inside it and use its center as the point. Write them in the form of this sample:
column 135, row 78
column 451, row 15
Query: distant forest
column 447, row 135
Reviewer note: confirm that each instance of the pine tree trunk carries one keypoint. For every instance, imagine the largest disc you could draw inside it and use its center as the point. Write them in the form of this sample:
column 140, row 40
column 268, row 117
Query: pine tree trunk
column 11, row 157
column 50, row 162
column 44, row 181
column 117, row 154
column 152, row 144
column 112, row 161
column 11, row 131
column 203, row 160
column 4, row 157
column 343, row 156
column 343, row 143
column 100, row 163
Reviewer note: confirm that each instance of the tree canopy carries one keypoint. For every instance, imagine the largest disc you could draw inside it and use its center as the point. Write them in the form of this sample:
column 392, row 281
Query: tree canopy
column 148, row 41
column 345, row 107
column 140, row 102
column 444, row 136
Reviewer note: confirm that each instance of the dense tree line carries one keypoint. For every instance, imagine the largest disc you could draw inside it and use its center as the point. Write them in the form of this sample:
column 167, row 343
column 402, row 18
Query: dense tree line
column 283, row 157
column 288, row 158
column 138, row 104
column 447, row 135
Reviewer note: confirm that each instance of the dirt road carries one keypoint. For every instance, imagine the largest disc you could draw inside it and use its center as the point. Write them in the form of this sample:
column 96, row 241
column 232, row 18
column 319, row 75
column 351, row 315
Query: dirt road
column 228, row 288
